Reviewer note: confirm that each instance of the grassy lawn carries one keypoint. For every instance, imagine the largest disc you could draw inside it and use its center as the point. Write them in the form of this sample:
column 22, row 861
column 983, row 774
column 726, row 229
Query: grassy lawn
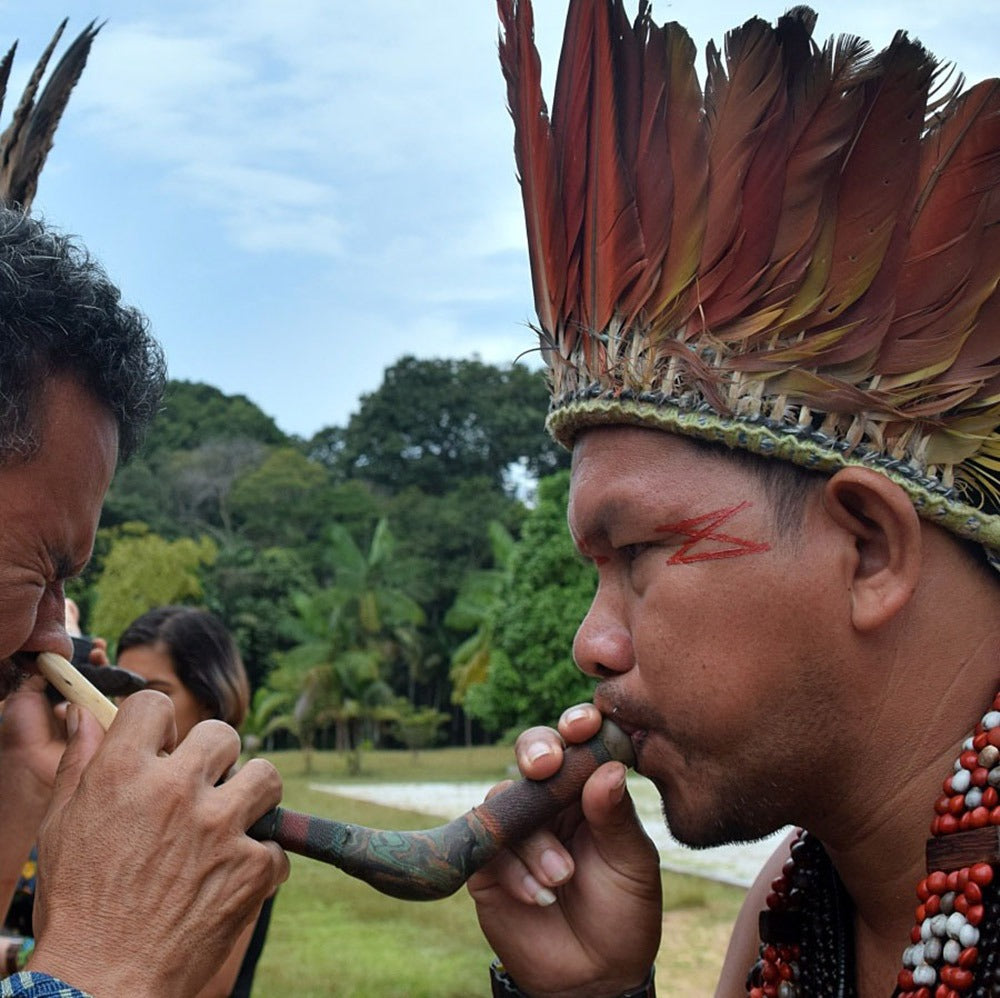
column 334, row 935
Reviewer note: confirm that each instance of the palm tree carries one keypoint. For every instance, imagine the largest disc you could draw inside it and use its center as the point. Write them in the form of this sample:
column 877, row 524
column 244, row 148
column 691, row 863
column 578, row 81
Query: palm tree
column 346, row 634
column 474, row 610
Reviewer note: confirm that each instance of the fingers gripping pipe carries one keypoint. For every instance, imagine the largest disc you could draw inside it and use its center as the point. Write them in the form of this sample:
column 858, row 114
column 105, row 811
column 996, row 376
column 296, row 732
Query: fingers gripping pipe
column 414, row 866
column 431, row 864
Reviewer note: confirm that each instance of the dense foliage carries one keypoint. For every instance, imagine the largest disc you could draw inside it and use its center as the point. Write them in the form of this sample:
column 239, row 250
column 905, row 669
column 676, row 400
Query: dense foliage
column 532, row 677
column 335, row 561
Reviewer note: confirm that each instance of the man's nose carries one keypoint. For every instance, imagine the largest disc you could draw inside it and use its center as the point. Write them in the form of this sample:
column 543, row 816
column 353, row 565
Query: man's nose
column 603, row 645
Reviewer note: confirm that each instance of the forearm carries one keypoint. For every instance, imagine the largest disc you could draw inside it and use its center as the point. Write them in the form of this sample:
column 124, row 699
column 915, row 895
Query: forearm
column 22, row 808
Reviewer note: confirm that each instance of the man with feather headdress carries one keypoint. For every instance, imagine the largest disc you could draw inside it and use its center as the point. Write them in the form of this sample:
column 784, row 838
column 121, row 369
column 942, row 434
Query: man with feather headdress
column 145, row 874
column 770, row 313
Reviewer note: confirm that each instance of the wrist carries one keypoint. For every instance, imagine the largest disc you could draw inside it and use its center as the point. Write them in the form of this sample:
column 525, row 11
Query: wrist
column 503, row 985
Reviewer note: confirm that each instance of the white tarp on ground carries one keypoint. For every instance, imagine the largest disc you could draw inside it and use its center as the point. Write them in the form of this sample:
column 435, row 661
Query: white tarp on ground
column 737, row 864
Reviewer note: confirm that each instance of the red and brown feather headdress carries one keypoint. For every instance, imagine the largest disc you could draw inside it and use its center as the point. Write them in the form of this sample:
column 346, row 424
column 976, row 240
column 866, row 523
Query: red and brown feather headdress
column 799, row 257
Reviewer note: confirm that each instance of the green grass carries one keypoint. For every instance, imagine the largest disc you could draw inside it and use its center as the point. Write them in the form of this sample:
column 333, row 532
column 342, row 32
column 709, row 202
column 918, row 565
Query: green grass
column 333, row 935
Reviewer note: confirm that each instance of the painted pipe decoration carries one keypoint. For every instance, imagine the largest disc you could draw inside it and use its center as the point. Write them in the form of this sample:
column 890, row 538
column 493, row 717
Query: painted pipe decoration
column 434, row 863
column 414, row 866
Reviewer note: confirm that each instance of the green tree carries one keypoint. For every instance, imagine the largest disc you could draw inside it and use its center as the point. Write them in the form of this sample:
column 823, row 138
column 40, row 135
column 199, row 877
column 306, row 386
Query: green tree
column 532, row 678
column 434, row 423
column 250, row 590
column 475, row 609
column 285, row 501
column 143, row 570
column 418, row 727
column 194, row 413
column 345, row 634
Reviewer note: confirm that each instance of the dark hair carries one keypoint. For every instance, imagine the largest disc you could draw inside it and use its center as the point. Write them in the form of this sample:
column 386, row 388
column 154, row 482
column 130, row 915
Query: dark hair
column 204, row 655
column 786, row 485
column 60, row 314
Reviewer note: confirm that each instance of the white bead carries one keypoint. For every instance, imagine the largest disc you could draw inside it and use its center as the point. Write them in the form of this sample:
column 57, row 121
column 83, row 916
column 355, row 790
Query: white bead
column 952, row 951
column 924, row 975
column 913, row 955
column 968, row 744
column 991, row 719
column 955, row 922
column 961, row 781
column 932, row 950
column 993, row 777
column 926, row 931
column 939, row 925
column 973, row 797
column 969, row 936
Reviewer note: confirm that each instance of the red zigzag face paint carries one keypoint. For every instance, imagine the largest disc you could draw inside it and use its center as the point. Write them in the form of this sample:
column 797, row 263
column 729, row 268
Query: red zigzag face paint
column 703, row 529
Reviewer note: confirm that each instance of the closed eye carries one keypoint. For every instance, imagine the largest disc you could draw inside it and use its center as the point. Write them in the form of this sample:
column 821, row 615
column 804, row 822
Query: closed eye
column 632, row 551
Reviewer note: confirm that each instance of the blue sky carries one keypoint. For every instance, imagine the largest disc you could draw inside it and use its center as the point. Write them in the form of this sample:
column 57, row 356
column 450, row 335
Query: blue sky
column 300, row 192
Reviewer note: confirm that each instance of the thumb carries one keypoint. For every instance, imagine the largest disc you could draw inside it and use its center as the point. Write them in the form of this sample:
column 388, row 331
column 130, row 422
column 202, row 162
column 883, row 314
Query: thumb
column 84, row 736
column 617, row 832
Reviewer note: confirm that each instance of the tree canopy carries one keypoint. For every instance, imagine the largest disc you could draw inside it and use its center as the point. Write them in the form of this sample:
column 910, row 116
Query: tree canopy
column 433, row 423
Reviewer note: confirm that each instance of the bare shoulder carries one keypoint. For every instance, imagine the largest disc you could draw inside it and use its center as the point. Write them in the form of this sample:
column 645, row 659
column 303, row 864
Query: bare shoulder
column 745, row 941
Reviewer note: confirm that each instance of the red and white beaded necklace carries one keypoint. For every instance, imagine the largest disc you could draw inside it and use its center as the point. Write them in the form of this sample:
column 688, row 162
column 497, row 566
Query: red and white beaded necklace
column 807, row 946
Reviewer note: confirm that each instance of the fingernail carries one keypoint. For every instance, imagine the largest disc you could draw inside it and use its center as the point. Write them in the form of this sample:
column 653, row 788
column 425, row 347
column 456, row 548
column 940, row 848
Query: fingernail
column 542, row 896
column 575, row 714
column 618, row 787
column 536, row 750
column 72, row 719
column 555, row 867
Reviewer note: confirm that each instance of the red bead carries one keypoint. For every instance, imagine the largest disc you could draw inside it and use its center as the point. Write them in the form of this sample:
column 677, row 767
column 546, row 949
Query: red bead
column 961, row 904
column 993, row 737
column 995, row 815
column 969, row 759
column 973, row 892
column 956, row 804
column 963, row 878
column 968, row 957
column 905, row 979
column 952, row 880
column 937, row 882
column 982, row 873
column 923, row 892
column 941, row 804
column 980, row 817
column 980, row 776
column 965, row 821
column 980, row 741
column 975, row 914
column 948, row 824
column 990, row 797
column 921, row 913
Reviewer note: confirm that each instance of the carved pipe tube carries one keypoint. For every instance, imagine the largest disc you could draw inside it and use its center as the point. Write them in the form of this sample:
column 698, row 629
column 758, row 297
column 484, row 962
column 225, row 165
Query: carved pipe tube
column 431, row 864
column 414, row 866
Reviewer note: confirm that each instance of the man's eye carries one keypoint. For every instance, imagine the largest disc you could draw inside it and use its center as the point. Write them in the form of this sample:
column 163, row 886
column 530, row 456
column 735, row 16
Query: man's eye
column 632, row 551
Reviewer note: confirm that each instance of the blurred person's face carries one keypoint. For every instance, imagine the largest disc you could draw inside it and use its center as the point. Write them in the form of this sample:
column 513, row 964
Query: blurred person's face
column 155, row 665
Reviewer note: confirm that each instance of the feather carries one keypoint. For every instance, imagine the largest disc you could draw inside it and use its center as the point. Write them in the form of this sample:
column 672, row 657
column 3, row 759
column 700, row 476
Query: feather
column 26, row 142
column 534, row 154
column 613, row 250
column 686, row 136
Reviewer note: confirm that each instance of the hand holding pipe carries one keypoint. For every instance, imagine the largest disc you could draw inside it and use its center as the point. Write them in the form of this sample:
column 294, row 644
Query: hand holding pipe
column 415, row 866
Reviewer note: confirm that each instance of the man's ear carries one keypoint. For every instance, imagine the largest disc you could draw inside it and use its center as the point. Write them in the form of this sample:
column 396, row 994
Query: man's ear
column 879, row 517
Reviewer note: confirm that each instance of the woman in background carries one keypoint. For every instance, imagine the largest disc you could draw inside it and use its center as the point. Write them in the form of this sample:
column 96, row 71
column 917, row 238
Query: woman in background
column 189, row 655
